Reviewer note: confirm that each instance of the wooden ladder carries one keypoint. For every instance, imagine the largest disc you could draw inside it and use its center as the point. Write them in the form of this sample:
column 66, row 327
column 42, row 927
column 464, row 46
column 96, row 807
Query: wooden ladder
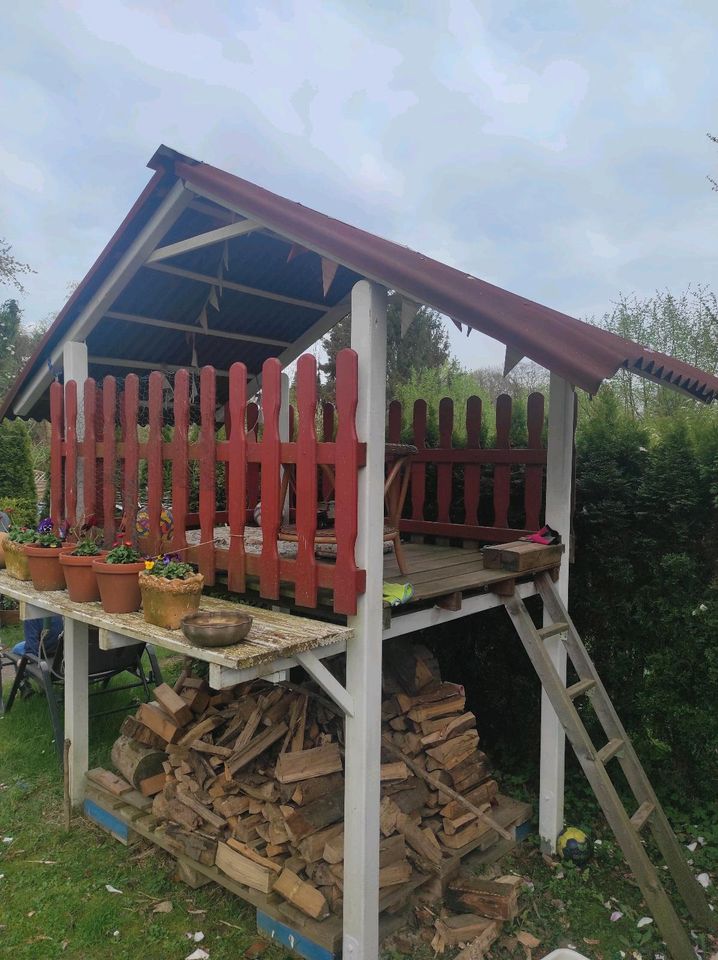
column 626, row 828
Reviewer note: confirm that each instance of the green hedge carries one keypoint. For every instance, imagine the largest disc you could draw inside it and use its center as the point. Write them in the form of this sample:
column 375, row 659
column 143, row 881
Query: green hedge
column 17, row 481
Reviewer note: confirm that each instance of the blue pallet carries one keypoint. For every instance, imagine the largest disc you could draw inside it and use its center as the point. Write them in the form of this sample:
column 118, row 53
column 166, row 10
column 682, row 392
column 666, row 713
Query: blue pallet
column 522, row 831
column 108, row 821
column 291, row 939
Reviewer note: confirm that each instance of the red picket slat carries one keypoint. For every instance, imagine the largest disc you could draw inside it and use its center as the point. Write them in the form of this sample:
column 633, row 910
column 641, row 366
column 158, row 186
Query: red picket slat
column 472, row 472
column 57, row 511
column 347, row 489
column 180, row 460
column 207, row 483
column 306, row 484
column 418, row 470
column 533, row 488
column 71, row 453
column 502, row 471
column 270, row 478
column 99, row 512
column 394, row 431
column 89, row 466
column 154, row 464
column 443, row 470
column 130, row 480
column 237, row 476
column 252, row 468
column 109, row 445
column 328, row 417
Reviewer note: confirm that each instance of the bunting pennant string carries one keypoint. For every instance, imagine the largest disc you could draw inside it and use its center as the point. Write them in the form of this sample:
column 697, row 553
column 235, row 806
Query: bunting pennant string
column 329, row 269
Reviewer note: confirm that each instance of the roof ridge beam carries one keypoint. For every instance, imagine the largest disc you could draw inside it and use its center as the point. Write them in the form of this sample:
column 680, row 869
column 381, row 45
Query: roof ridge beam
column 188, row 328
column 201, row 240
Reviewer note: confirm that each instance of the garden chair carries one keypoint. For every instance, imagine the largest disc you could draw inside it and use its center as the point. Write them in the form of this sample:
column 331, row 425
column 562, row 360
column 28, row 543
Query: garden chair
column 48, row 671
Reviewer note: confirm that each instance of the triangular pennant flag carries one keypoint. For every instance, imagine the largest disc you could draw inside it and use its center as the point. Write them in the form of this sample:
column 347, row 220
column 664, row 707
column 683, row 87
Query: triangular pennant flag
column 468, row 331
column 220, row 277
column 213, row 301
column 512, row 358
column 195, row 364
column 329, row 269
column 457, row 325
column 202, row 318
column 409, row 310
column 296, row 250
column 225, row 255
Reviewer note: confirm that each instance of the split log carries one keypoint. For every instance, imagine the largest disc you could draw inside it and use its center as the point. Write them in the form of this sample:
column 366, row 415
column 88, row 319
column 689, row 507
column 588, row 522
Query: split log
column 152, row 785
column 108, row 781
column 308, row 790
column 243, row 870
column 161, row 723
column 497, row 899
column 135, row 762
column 132, row 728
column 308, row 764
column 173, row 704
column 301, row 895
column 315, row 816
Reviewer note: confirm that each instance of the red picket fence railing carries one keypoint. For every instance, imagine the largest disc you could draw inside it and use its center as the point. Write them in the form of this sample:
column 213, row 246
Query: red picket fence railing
column 450, row 486
column 112, row 450
column 460, row 473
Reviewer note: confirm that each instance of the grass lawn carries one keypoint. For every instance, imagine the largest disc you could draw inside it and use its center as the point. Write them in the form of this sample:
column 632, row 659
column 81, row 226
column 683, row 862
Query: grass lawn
column 53, row 900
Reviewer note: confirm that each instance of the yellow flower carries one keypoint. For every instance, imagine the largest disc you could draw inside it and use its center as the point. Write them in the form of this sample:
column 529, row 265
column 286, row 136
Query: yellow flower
column 149, row 564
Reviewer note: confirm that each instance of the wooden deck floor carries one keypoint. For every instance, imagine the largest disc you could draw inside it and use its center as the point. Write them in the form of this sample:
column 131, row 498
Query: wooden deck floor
column 436, row 572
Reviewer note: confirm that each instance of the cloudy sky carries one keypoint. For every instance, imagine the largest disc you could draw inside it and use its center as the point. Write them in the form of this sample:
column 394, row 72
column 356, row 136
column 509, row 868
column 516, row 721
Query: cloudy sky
column 557, row 148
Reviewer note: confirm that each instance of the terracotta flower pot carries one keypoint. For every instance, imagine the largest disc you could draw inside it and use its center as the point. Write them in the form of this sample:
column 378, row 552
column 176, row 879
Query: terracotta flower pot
column 3, row 538
column 16, row 561
column 118, row 585
column 166, row 602
column 80, row 576
column 45, row 570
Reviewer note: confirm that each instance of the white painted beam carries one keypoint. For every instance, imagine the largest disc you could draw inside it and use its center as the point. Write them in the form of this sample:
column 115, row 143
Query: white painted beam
column 239, row 287
column 197, row 331
column 76, row 705
column 118, row 278
column 327, row 681
column 201, row 240
column 318, row 330
column 74, row 367
column 145, row 365
column 559, row 482
column 364, row 649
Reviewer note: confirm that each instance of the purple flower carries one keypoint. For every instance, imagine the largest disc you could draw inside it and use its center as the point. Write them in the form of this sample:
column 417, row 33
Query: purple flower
column 45, row 526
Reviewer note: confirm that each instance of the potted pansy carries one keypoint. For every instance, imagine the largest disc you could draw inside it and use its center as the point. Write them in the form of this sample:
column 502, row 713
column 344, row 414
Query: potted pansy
column 43, row 556
column 116, row 574
column 16, row 562
column 76, row 561
column 170, row 590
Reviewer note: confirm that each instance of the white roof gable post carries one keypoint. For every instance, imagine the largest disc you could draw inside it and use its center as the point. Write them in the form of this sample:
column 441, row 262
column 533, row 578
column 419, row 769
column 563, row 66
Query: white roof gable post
column 559, row 489
column 75, row 367
column 363, row 729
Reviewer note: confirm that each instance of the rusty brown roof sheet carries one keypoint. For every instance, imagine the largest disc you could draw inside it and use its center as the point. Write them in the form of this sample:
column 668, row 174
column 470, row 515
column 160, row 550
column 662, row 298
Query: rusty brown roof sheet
column 581, row 353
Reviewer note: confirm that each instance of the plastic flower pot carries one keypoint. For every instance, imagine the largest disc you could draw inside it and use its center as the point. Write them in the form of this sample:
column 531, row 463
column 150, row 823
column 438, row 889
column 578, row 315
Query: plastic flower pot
column 80, row 576
column 16, row 560
column 165, row 602
column 118, row 585
column 45, row 570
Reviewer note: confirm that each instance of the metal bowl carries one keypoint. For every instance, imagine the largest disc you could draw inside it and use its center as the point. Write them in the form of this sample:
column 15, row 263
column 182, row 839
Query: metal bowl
column 205, row 629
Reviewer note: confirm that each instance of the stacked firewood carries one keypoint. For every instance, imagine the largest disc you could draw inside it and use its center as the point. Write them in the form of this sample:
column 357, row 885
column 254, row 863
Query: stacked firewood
column 250, row 779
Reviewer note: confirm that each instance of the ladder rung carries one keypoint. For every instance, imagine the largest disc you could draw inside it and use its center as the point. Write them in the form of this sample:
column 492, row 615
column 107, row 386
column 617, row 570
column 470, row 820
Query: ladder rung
column 552, row 629
column 642, row 814
column 578, row 689
column 609, row 750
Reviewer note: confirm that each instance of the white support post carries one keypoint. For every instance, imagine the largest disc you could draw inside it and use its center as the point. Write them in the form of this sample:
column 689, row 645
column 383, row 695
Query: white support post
column 75, row 367
column 76, row 705
column 364, row 649
column 559, row 482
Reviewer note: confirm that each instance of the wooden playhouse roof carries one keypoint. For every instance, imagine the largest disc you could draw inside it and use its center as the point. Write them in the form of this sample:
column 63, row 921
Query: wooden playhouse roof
column 268, row 276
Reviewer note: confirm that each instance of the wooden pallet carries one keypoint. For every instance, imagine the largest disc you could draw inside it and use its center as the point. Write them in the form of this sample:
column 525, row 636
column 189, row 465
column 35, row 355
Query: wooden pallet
column 129, row 819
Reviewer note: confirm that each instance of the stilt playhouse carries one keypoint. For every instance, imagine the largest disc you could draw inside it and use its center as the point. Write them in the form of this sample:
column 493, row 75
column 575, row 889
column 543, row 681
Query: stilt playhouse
column 208, row 290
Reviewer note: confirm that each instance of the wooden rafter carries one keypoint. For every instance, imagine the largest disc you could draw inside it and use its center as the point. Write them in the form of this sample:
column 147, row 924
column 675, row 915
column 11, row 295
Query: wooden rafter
column 200, row 331
column 239, row 287
column 145, row 365
column 201, row 240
